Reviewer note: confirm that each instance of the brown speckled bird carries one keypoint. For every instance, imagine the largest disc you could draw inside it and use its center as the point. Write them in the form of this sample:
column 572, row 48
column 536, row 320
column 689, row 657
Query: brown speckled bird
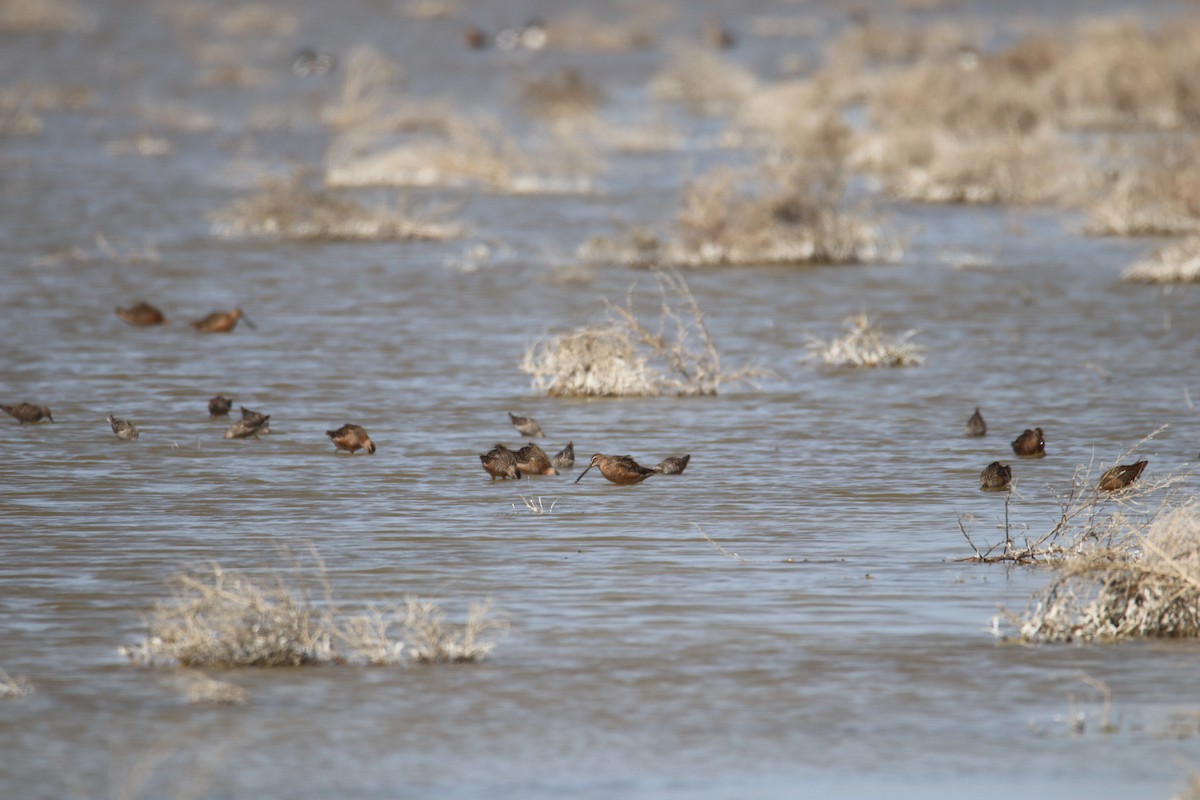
column 532, row 460
column 351, row 438
column 221, row 321
column 621, row 470
column 500, row 462
column 996, row 477
column 219, row 406
column 527, row 426
column 27, row 413
column 1030, row 443
column 565, row 458
column 675, row 465
column 123, row 429
column 975, row 425
column 249, row 427
column 1121, row 476
column 142, row 313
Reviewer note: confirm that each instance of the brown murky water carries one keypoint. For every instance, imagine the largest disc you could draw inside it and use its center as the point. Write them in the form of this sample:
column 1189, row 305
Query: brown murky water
column 843, row 649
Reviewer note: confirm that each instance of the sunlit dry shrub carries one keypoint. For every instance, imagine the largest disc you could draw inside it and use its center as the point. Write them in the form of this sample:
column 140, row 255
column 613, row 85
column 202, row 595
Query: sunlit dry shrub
column 431, row 640
column 623, row 357
column 1154, row 192
column 703, row 80
column 1148, row 585
column 205, row 690
column 44, row 16
column 587, row 32
column 887, row 42
column 801, row 117
column 14, row 688
column 1176, row 263
column 431, row 9
column 289, row 209
column 259, row 20
column 562, row 95
column 865, row 345
column 370, row 89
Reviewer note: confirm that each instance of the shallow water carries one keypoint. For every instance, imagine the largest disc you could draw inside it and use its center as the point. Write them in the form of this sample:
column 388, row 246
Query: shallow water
column 830, row 641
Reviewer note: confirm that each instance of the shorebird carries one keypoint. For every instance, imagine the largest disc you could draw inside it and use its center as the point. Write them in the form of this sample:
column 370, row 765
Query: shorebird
column 351, row 438
column 142, row 313
column 674, row 465
column 532, row 460
column 309, row 62
column 219, row 406
column 1121, row 476
column 527, row 426
column 500, row 462
column 1030, row 443
column 221, row 321
column 123, row 429
column 621, row 470
column 27, row 413
column 995, row 477
column 975, row 425
column 256, row 417
column 565, row 458
column 249, row 427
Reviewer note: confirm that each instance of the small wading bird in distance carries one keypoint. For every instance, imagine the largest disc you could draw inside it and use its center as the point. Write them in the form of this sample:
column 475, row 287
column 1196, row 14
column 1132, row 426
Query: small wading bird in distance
column 1030, row 443
column 1121, row 476
column 219, row 406
column 996, row 477
column 142, row 313
column 675, row 465
column 532, row 460
column 500, row 462
column 527, row 426
column 27, row 413
column 222, row 321
column 565, row 458
column 249, row 427
column 123, row 429
column 254, row 417
column 621, row 470
column 351, row 438
column 975, row 425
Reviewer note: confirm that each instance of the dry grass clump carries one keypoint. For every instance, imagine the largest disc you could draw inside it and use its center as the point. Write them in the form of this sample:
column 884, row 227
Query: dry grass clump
column 370, row 88
column 44, row 16
column 565, row 94
column 203, row 689
column 882, row 43
column 461, row 151
column 865, row 345
column 225, row 619
column 704, row 81
column 1155, row 193
column 289, row 209
column 259, row 20
column 1148, row 585
column 585, row 32
column 1175, row 263
column 14, row 688
column 623, row 357
column 22, row 103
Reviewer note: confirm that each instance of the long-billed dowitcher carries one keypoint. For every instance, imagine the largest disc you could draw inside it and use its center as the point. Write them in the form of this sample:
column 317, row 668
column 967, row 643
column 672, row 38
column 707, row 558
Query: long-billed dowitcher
column 142, row 313
column 532, row 460
column 975, row 425
column 219, row 406
column 255, row 417
column 249, row 427
column 500, row 462
column 1030, row 443
column 621, row 470
column 27, row 413
column 675, row 465
column 995, row 477
column 351, row 438
column 1121, row 476
column 221, row 321
column 526, row 425
column 565, row 458
column 123, row 428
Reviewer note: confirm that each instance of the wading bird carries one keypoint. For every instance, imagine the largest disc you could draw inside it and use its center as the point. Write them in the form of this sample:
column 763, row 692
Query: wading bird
column 500, row 462
column 1030, row 443
column 221, row 321
column 123, row 429
column 995, row 477
column 1121, row 476
column 249, row 427
column 621, row 470
column 142, row 313
column 565, row 458
column 975, row 425
column 219, row 406
column 532, row 460
column 675, row 465
column 351, row 438
column 27, row 413
column 527, row 426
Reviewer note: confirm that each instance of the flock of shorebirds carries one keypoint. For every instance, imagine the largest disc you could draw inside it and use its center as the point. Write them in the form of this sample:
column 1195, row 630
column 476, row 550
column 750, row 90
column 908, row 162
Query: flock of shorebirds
column 501, row 462
column 997, row 477
column 143, row 314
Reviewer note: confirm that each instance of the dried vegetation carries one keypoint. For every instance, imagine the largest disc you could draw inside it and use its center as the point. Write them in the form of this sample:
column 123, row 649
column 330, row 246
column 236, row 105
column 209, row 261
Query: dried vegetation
column 1175, row 263
column 44, row 16
column 703, row 81
column 865, row 345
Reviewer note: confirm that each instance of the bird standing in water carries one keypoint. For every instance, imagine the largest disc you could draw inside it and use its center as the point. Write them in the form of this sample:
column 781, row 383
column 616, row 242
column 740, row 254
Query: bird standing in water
column 975, row 425
column 142, row 313
column 219, row 406
column 221, row 321
column 1121, row 475
column 500, row 462
column 351, row 438
column 123, row 429
column 532, row 460
column 27, row 413
column 526, row 425
column 996, row 477
column 565, row 458
column 621, row 470
column 249, row 427
column 675, row 465
column 1030, row 443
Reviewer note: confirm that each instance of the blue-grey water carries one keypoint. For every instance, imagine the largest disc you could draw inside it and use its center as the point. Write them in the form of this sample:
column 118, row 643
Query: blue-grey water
column 826, row 641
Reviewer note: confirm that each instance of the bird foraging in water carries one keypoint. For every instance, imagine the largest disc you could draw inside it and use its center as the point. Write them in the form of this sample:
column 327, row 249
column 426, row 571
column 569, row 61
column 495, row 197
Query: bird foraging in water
column 996, row 477
column 975, row 425
column 1120, row 476
column 256, row 417
column 675, row 465
column 219, row 406
column 1030, row 443
column 248, row 427
column 123, row 429
column 27, row 413
column 142, row 313
column 500, row 462
column 621, row 470
column 221, row 321
column 527, row 426
column 565, row 458
column 532, row 460
column 351, row 438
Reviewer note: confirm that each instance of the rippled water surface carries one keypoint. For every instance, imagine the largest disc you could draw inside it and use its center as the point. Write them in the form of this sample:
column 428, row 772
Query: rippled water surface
column 822, row 641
